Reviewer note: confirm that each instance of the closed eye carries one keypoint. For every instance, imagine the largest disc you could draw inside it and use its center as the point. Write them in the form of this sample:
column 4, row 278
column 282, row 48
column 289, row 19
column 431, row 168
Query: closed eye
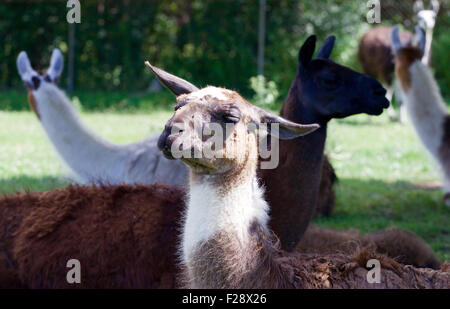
column 228, row 113
column 329, row 82
column 180, row 105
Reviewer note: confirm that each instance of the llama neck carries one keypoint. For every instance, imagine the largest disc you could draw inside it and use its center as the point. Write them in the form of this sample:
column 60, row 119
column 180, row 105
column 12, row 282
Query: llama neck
column 427, row 52
column 84, row 152
column 299, row 170
column 425, row 106
column 221, row 234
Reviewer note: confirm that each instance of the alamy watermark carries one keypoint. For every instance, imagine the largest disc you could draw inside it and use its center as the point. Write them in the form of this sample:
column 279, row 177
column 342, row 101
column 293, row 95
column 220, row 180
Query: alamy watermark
column 74, row 14
column 374, row 14
column 374, row 274
column 74, row 274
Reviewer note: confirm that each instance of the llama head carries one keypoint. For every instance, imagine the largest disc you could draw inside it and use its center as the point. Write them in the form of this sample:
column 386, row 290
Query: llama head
column 34, row 80
column 427, row 18
column 334, row 91
column 407, row 54
column 216, row 131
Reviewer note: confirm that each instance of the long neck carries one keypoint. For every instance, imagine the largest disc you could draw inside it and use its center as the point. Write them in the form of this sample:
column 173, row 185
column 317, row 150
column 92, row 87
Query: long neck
column 85, row 153
column 222, row 245
column 427, row 53
column 292, row 187
column 425, row 106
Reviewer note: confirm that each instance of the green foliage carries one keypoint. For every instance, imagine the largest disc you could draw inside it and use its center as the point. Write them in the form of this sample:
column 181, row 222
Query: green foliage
column 266, row 92
column 205, row 41
column 440, row 57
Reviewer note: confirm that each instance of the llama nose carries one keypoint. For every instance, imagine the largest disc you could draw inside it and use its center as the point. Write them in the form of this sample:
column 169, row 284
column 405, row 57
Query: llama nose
column 379, row 91
column 162, row 140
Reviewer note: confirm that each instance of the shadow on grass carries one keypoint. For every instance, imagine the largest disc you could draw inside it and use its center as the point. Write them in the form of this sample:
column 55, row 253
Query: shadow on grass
column 30, row 183
column 374, row 205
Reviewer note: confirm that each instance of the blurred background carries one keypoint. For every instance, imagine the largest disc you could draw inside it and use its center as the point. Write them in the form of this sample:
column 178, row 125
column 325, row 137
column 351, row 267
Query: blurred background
column 207, row 42
column 386, row 178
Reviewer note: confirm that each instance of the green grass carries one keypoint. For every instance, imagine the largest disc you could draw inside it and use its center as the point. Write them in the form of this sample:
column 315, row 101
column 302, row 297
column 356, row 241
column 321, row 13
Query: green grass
column 385, row 176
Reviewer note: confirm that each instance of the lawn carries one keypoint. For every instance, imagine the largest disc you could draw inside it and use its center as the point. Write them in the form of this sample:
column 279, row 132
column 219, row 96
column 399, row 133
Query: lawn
column 385, row 176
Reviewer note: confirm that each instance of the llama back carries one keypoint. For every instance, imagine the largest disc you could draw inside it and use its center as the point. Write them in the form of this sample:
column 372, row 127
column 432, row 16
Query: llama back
column 121, row 236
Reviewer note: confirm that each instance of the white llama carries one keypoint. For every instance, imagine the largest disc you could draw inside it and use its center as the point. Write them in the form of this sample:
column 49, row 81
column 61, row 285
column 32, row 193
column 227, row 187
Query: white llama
column 424, row 102
column 91, row 158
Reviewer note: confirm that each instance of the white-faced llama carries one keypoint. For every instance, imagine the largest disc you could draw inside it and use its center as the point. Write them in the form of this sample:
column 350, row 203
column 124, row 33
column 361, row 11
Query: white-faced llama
column 424, row 103
column 91, row 158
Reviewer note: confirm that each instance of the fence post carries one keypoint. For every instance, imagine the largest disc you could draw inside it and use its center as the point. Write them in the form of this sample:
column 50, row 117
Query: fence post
column 261, row 35
column 71, row 58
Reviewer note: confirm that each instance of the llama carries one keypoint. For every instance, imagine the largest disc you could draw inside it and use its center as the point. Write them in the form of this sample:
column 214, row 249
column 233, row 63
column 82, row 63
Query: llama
column 405, row 247
column 376, row 55
column 427, row 20
column 91, row 158
column 424, row 102
column 124, row 236
column 226, row 241
column 137, row 163
column 317, row 95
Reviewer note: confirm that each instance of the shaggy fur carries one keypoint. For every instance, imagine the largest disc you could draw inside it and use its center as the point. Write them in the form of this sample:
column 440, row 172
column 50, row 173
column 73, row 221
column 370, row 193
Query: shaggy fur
column 123, row 236
column 135, row 232
column 220, row 263
column 405, row 247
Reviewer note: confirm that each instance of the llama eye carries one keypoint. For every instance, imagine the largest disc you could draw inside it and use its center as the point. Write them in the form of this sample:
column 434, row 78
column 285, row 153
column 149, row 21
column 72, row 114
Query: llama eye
column 230, row 118
column 329, row 82
column 228, row 114
column 179, row 105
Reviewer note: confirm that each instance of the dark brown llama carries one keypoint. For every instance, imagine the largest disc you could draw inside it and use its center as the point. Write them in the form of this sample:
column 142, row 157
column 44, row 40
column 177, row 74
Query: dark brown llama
column 317, row 95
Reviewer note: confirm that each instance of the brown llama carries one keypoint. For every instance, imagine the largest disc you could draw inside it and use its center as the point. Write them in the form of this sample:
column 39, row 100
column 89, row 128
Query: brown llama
column 317, row 95
column 405, row 247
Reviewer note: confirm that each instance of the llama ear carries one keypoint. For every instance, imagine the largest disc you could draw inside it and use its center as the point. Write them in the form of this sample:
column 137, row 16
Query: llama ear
column 435, row 6
column 419, row 39
column 26, row 72
column 396, row 43
column 327, row 48
column 307, row 50
column 418, row 6
column 176, row 85
column 56, row 65
column 287, row 129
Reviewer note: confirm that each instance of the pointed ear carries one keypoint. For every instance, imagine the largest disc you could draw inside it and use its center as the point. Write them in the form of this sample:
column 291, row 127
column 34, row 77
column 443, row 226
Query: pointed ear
column 307, row 51
column 395, row 39
column 327, row 48
column 419, row 39
column 418, row 6
column 26, row 72
column 287, row 129
column 435, row 6
column 56, row 65
column 176, row 85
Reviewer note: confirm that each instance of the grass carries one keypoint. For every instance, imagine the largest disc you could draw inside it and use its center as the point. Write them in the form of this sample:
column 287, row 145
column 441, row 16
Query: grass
column 385, row 176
